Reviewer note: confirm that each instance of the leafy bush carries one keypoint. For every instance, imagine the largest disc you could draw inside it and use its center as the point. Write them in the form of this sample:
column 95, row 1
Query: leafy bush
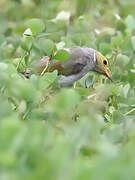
column 82, row 132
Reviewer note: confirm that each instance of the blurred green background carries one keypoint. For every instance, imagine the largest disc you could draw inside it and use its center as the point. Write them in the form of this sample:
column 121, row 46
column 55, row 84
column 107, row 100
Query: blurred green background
column 82, row 132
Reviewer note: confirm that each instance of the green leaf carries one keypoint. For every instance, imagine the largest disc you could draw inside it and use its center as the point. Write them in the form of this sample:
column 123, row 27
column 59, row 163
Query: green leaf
column 67, row 98
column 115, row 89
column 115, row 133
column 124, row 90
column 47, row 79
column 130, row 22
column 5, row 107
column 122, row 60
column 27, row 42
column 118, row 117
column 2, row 39
column 133, row 42
column 104, row 48
column 36, row 25
column 21, row 89
column 46, row 45
column 121, row 26
column 3, row 66
column 117, row 41
column 62, row 55
column 19, row 64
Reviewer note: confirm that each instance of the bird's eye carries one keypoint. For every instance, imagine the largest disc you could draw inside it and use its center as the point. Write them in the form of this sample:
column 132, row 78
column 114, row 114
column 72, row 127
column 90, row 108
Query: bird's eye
column 105, row 62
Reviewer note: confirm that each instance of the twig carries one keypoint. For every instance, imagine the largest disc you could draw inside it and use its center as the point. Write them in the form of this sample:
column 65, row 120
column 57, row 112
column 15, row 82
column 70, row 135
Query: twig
column 42, row 73
column 130, row 111
column 91, row 96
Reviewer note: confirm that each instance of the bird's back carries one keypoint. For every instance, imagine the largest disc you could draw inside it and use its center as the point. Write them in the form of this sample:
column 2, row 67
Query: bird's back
column 79, row 57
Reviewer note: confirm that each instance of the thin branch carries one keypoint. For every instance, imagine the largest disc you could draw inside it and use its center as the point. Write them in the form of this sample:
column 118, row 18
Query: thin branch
column 130, row 111
column 42, row 73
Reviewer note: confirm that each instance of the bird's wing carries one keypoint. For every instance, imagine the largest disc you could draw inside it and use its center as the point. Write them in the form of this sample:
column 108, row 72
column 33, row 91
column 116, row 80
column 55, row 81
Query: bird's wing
column 73, row 65
column 77, row 61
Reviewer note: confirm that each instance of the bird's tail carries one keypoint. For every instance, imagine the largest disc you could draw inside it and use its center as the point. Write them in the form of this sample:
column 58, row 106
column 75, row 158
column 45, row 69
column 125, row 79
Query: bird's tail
column 26, row 73
column 40, row 67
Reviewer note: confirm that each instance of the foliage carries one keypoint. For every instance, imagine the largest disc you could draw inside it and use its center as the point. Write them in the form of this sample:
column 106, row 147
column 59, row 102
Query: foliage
column 82, row 132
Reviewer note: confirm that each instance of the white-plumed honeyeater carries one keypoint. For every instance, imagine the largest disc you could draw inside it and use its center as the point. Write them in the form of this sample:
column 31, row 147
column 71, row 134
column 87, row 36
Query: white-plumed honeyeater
column 81, row 61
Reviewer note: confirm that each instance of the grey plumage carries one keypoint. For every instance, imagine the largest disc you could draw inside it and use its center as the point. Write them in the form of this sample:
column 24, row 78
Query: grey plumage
column 81, row 61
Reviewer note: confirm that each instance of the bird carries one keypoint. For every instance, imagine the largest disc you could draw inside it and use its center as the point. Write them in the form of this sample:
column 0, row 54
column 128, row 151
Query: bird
column 81, row 61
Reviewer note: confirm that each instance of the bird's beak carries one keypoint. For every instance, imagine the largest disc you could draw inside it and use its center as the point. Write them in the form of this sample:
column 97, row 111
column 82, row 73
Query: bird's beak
column 107, row 73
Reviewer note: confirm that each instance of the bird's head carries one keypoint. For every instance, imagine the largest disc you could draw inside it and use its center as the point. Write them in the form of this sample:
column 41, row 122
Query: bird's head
column 102, row 65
